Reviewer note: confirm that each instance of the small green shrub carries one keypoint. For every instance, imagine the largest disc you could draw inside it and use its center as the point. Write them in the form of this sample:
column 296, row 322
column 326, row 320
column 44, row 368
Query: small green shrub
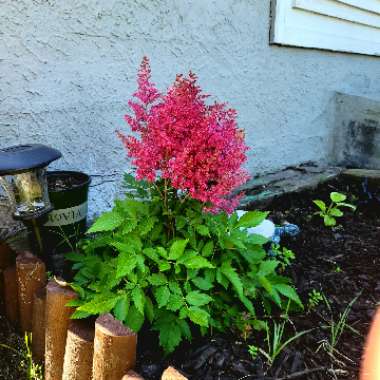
column 333, row 211
column 169, row 254
column 176, row 266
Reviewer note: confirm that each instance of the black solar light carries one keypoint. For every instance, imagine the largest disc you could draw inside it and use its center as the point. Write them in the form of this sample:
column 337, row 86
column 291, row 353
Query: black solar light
column 23, row 176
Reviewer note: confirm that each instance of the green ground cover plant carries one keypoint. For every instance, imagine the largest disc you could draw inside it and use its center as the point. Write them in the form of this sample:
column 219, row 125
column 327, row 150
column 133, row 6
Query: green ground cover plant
column 333, row 210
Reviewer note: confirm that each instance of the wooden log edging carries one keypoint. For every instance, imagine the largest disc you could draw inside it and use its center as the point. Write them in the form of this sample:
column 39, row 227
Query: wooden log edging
column 57, row 321
column 31, row 276
column 10, row 294
column 171, row 373
column 79, row 351
column 132, row 375
column 6, row 260
column 71, row 350
column 114, row 349
column 6, row 255
column 38, row 325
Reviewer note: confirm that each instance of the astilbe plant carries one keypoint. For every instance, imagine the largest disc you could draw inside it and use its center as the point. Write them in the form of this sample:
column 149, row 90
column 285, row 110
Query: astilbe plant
column 160, row 257
column 196, row 147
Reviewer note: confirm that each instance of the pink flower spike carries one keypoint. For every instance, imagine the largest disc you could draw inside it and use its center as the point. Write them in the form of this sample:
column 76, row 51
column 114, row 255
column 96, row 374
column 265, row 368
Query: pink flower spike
column 198, row 147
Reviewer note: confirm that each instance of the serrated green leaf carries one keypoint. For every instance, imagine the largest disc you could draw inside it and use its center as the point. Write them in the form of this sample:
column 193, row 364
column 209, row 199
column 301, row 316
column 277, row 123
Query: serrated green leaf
column 267, row 267
column 123, row 247
column 248, row 304
column 208, row 249
column 221, row 279
column 121, row 308
column 180, row 221
column 289, row 292
column 183, row 313
column 170, row 333
column 202, row 283
column 189, row 254
column 252, row 219
column 185, row 329
column 149, row 309
column 162, row 252
column 198, row 262
column 236, row 239
column 162, row 295
column 158, row 279
column 257, row 239
column 74, row 303
column 265, row 283
column 152, row 254
column 147, row 226
column 196, row 298
column 175, row 302
column 198, row 316
column 233, row 219
column 202, row 230
column 254, row 254
column 78, row 289
column 337, row 197
column 75, row 257
column 175, row 288
column 129, row 225
column 100, row 304
column 134, row 207
column 78, row 314
column 125, row 264
column 106, row 222
column 163, row 266
column 134, row 319
column 177, row 249
column 233, row 277
column 138, row 298
column 141, row 264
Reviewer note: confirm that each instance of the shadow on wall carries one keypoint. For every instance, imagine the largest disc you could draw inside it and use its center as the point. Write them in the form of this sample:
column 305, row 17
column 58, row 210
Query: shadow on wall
column 356, row 140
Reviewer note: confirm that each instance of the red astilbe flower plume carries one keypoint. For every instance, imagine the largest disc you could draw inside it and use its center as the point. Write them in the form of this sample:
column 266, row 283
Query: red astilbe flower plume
column 196, row 146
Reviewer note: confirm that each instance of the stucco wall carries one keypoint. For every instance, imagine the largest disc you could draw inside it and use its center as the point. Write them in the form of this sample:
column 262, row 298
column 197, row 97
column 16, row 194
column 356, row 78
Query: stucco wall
column 67, row 69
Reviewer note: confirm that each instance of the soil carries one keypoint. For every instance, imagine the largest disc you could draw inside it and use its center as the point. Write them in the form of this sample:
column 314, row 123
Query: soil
column 341, row 263
column 11, row 348
column 61, row 181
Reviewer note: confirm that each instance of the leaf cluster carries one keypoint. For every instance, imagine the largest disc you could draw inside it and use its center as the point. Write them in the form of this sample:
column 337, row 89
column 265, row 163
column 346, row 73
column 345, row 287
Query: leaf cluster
column 158, row 258
column 333, row 211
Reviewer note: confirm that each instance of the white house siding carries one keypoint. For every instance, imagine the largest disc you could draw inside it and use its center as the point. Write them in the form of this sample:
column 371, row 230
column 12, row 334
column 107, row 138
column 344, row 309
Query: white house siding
column 67, row 69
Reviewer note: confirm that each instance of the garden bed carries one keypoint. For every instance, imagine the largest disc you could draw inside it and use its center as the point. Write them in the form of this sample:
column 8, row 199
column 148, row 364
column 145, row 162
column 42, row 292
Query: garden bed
column 341, row 263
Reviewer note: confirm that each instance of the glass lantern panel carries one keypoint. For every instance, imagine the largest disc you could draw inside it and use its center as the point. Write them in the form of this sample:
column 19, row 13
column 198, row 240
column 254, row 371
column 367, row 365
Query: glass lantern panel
column 30, row 192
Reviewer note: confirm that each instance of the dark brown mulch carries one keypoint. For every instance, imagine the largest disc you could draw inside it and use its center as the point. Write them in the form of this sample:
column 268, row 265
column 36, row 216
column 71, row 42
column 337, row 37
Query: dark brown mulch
column 341, row 262
column 10, row 360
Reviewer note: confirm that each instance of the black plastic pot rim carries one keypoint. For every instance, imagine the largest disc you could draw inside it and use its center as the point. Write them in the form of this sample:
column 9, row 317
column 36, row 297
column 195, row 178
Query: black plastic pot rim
column 86, row 179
